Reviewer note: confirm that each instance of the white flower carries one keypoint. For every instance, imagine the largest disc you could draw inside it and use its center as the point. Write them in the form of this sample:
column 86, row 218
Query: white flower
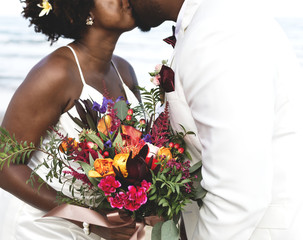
column 46, row 8
column 153, row 150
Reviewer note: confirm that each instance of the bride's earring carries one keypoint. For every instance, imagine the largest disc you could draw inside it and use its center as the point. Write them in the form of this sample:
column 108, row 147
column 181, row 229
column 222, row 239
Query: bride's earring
column 89, row 21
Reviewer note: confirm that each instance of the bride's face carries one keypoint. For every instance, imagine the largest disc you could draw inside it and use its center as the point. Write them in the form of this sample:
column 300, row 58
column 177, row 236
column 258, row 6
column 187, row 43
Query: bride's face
column 113, row 15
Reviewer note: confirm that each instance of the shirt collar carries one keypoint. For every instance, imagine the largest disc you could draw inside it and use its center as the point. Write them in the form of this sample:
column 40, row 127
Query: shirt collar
column 180, row 18
column 186, row 13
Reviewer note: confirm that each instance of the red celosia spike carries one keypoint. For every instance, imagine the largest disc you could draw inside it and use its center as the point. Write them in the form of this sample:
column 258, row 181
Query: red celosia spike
column 160, row 129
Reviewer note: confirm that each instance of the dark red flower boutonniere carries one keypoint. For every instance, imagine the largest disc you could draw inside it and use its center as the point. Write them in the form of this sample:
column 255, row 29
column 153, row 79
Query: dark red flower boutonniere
column 164, row 77
column 167, row 79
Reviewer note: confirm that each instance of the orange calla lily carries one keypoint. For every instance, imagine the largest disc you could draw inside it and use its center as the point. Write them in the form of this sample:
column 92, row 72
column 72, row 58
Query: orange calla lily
column 104, row 167
column 105, row 124
column 120, row 163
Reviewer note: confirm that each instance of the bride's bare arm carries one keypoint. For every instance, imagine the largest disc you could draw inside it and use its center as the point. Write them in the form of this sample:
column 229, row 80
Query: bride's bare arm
column 36, row 105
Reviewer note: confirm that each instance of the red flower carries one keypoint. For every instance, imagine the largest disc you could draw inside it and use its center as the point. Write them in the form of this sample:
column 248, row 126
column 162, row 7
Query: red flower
column 154, row 161
column 167, row 80
column 118, row 200
column 109, row 185
column 136, row 197
column 131, row 205
column 81, row 153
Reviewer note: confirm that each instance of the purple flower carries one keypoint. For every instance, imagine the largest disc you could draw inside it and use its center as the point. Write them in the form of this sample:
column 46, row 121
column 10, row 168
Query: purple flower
column 120, row 99
column 108, row 144
column 147, row 138
column 105, row 102
column 96, row 106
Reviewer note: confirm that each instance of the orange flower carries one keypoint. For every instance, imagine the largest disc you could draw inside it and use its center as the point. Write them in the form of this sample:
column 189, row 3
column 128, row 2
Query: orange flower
column 120, row 163
column 71, row 142
column 165, row 152
column 104, row 167
column 105, row 124
column 132, row 132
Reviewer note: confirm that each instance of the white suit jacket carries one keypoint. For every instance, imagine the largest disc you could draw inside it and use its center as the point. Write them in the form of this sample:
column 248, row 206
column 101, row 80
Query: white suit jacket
column 238, row 85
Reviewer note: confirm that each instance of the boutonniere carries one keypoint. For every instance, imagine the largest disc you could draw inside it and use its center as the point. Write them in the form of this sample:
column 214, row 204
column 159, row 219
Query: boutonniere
column 164, row 77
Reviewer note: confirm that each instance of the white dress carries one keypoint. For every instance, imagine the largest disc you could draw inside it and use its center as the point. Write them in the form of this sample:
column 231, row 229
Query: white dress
column 20, row 221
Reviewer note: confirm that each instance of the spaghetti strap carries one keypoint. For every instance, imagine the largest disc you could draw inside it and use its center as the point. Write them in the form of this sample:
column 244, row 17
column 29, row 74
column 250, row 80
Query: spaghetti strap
column 78, row 64
column 129, row 94
column 116, row 69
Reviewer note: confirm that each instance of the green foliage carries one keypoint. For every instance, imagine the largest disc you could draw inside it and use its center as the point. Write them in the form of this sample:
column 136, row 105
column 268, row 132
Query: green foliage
column 12, row 151
column 200, row 192
column 151, row 99
column 167, row 230
column 169, row 191
column 122, row 109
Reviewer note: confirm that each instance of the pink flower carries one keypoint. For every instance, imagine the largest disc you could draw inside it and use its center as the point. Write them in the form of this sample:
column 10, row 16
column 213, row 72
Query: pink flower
column 146, row 185
column 92, row 145
column 109, row 185
column 156, row 80
column 132, row 193
column 118, row 200
column 158, row 68
column 136, row 196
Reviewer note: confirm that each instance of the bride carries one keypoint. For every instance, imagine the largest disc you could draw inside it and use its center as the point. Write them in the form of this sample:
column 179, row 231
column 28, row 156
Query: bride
column 83, row 69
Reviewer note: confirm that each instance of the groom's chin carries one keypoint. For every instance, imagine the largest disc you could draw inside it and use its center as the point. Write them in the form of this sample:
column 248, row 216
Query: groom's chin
column 143, row 28
column 140, row 24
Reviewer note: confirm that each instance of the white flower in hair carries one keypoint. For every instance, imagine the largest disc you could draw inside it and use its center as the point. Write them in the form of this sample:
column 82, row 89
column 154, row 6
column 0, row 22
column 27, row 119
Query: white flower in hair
column 46, row 8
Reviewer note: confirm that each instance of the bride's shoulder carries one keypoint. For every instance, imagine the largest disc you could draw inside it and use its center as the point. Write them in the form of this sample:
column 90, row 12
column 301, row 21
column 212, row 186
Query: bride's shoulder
column 57, row 68
column 126, row 71
column 51, row 77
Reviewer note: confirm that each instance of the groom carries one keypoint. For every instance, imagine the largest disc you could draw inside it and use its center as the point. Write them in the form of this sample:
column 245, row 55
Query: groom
column 238, row 85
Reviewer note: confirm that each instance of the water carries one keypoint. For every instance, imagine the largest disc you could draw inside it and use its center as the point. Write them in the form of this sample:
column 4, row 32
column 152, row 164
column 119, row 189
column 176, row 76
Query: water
column 21, row 48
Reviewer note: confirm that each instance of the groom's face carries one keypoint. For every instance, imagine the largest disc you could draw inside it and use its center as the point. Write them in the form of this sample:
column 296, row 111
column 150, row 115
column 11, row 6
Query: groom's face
column 147, row 13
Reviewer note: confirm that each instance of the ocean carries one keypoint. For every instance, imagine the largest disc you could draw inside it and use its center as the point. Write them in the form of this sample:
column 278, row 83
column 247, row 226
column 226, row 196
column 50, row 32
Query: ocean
column 21, row 48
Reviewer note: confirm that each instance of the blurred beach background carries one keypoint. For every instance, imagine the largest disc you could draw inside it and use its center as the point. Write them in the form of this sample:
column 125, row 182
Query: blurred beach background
column 21, row 48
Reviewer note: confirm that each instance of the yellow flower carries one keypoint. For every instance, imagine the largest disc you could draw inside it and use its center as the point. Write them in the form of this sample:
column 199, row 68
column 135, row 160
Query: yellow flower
column 165, row 152
column 46, row 8
column 93, row 174
column 104, row 167
column 120, row 163
column 105, row 124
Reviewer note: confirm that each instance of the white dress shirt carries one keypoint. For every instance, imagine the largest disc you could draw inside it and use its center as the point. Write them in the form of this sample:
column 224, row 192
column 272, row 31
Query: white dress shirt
column 238, row 85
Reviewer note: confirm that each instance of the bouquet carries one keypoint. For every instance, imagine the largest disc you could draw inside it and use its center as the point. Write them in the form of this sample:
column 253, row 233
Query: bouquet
column 126, row 159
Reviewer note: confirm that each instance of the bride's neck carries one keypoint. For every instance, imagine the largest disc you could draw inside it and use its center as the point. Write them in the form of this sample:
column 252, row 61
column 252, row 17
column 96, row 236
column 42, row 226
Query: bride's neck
column 96, row 50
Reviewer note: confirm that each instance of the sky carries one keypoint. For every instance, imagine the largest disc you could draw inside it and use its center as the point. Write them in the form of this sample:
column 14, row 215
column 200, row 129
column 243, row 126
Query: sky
column 280, row 8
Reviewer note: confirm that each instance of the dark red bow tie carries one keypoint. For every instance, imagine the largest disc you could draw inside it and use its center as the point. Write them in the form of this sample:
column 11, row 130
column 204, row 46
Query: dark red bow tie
column 172, row 39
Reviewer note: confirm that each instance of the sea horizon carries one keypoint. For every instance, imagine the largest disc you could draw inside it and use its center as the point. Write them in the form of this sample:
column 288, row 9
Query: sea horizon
column 21, row 48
